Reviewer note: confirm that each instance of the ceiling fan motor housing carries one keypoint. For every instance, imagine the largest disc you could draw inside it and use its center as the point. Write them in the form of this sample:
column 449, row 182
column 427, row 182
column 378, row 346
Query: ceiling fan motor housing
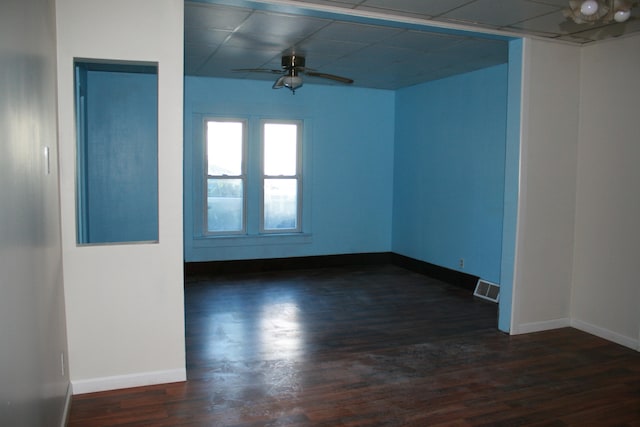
column 292, row 61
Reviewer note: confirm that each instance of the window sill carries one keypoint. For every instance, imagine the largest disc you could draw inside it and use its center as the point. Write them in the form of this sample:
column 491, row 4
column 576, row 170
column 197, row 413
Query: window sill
column 252, row 240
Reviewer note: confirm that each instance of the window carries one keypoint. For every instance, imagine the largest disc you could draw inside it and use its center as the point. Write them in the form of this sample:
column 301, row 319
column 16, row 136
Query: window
column 253, row 177
column 281, row 179
column 226, row 177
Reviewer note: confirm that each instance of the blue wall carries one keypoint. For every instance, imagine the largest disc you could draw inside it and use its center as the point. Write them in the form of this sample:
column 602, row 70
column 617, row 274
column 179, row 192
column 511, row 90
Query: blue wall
column 121, row 163
column 347, row 167
column 419, row 171
column 449, row 171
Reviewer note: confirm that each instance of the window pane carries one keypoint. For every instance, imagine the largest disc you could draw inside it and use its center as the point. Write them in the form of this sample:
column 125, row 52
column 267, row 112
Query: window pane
column 224, row 148
column 280, row 204
column 280, row 142
column 224, row 204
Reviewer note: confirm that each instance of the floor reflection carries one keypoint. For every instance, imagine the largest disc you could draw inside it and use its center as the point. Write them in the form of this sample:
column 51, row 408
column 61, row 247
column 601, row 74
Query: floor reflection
column 265, row 327
column 226, row 328
column 255, row 344
column 281, row 332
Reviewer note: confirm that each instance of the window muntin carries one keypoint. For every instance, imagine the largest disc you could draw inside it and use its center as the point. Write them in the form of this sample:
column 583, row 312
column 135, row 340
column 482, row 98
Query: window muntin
column 225, row 176
column 281, row 176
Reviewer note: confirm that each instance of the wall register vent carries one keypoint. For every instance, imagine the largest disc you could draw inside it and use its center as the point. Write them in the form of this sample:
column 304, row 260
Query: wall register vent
column 487, row 290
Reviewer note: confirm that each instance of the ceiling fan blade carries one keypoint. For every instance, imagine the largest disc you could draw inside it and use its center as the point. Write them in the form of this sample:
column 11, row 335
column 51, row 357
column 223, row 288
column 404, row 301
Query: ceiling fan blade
column 279, row 84
column 257, row 70
column 329, row 76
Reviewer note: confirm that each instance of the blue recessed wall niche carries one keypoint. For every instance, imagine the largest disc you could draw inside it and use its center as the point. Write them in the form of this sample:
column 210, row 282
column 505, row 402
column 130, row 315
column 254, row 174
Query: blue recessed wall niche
column 117, row 152
column 449, row 171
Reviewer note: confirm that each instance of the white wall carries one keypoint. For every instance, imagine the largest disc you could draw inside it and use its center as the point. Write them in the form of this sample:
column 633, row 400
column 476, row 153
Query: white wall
column 544, row 242
column 124, row 302
column 33, row 378
column 606, row 289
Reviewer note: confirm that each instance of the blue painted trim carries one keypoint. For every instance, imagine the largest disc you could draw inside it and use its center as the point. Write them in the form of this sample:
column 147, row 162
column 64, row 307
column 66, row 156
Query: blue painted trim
column 82, row 220
column 512, row 184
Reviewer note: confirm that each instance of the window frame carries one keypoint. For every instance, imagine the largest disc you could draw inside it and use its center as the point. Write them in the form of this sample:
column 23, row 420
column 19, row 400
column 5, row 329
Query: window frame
column 298, row 175
column 242, row 176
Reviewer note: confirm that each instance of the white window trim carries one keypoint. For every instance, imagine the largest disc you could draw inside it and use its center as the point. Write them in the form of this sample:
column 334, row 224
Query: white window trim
column 297, row 176
column 243, row 176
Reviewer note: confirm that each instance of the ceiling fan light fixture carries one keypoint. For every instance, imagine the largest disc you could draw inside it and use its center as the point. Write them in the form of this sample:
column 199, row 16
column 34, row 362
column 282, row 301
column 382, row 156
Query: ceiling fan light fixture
column 622, row 15
column 599, row 11
column 292, row 82
column 589, row 7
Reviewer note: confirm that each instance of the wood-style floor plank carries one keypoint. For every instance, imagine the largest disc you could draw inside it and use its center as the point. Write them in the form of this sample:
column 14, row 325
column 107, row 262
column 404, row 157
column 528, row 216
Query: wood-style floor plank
column 370, row 346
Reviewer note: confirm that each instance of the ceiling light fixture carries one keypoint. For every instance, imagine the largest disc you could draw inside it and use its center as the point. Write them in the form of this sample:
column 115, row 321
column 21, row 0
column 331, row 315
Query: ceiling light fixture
column 602, row 11
column 292, row 81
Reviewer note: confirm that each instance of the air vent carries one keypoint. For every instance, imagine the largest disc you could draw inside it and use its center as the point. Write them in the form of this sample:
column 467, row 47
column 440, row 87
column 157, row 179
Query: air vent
column 487, row 290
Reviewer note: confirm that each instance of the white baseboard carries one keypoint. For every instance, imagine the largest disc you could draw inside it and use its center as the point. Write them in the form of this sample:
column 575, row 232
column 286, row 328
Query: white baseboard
column 126, row 381
column 67, row 406
column 526, row 328
column 606, row 334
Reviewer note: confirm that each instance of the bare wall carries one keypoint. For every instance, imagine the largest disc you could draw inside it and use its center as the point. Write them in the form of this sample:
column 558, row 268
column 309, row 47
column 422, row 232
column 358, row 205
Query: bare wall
column 124, row 302
column 606, row 290
column 33, row 342
column 549, row 138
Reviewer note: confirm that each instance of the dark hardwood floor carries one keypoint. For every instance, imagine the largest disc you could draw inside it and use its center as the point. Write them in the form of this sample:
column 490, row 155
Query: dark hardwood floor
column 370, row 346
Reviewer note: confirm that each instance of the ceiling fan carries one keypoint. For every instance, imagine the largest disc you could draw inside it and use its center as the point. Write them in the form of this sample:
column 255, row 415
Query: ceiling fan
column 293, row 66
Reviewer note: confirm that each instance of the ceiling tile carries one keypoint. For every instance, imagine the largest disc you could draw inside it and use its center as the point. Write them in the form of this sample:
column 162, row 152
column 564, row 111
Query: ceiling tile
column 198, row 50
column 558, row 3
column 338, row 3
column 359, row 33
column 205, row 36
column 379, row 55
column 315, row 47
column 282, row 25
column 418, row 7
column 473, row 52
column 553, row 23
column 609, row 31
column 228, row 58
column 197, row 15
column 500, row 13
column 422, row 41
column 255, row 41
column 193, row 62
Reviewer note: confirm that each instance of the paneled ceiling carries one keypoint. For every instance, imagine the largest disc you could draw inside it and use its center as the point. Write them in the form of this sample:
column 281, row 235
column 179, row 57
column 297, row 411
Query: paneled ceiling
column 384, row 44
